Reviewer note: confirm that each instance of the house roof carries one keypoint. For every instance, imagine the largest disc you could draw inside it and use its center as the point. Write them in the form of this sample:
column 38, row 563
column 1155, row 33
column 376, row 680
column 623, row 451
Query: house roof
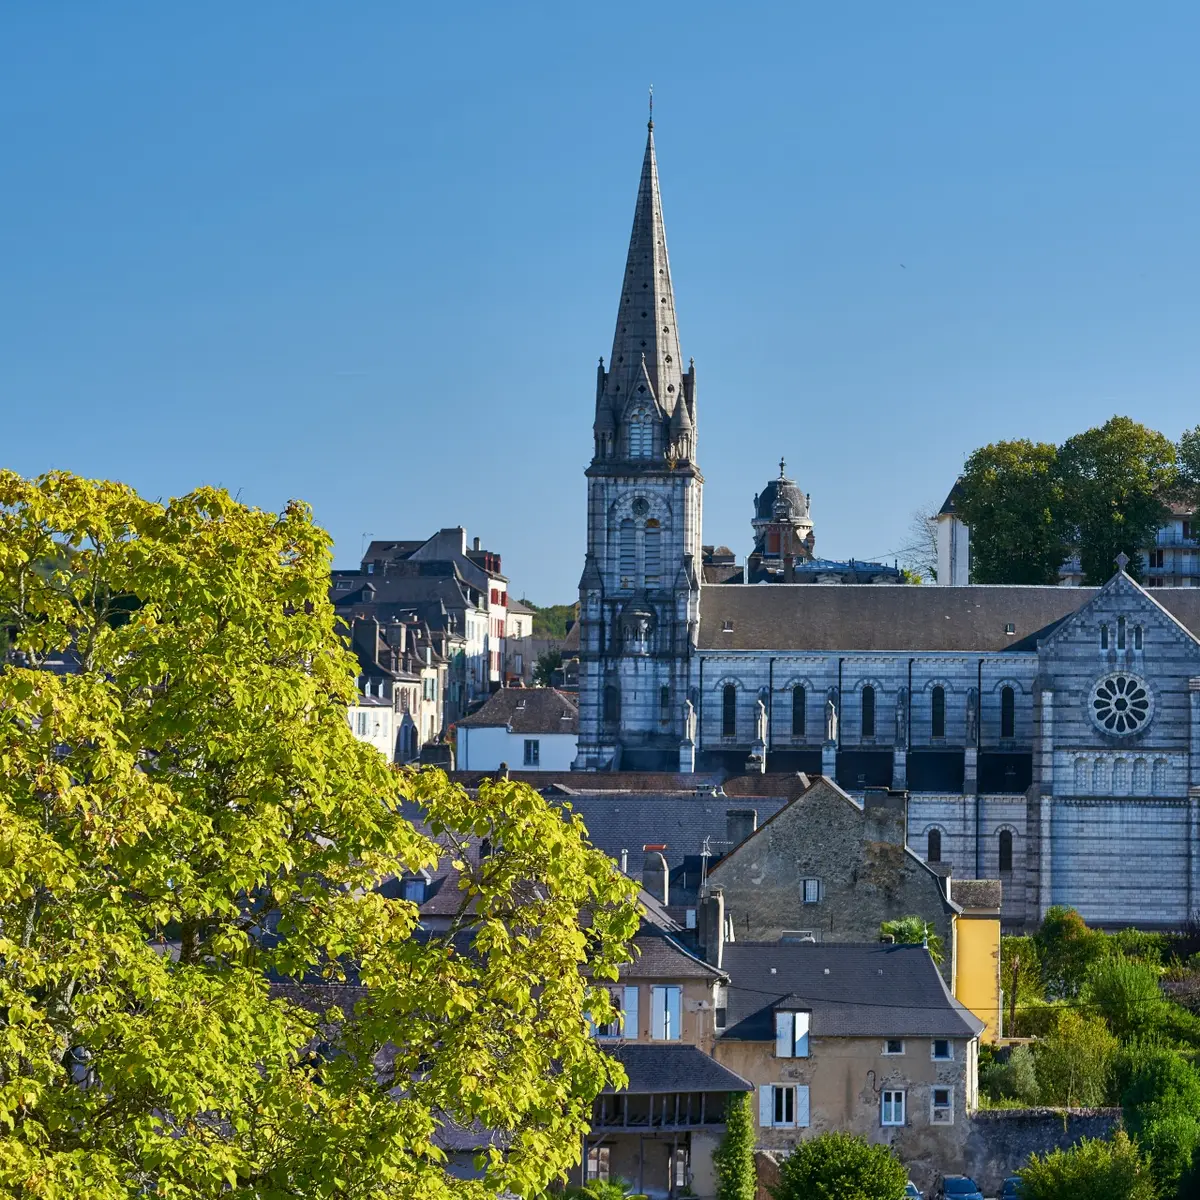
column 655, row 1069
column 516, row 606
column 527, row 710
column 977, row 893
column 659, row 957
column 852, row 989
column 828, row 617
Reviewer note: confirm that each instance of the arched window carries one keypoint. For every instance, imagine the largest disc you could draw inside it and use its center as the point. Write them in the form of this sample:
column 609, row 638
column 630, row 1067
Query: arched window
column 937, row 711
column 1158, row 778
column 1137, row 637
column 664, row 702
column 1103, row 637
column 653, row 554
column 628, row 564
column 729, row 710
column 612, row 705
column 799, row 710
column 1120, row 633
column 868, row 711
column 1100, row 777
column 1081, row 776
column 641, row 434
column 1008, row 716
column 933, row 848
column 1005, row 850
column 1141, row 777
column 1121, row 777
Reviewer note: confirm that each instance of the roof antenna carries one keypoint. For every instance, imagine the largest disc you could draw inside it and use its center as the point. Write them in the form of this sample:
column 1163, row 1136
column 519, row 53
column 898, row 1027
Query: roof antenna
column 650, row 124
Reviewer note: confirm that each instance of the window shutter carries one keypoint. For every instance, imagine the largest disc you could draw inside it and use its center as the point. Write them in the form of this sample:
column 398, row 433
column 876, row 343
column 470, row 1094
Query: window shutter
column 658, row 1013
column 631, row 1013
column 802, row 1106
column 674, row 1015
column 783, row 1035
column 766, row 1111
column 802, row 1021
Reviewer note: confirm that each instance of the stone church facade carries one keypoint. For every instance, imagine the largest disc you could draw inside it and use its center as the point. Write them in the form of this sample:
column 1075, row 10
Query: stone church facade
column 1048, row 737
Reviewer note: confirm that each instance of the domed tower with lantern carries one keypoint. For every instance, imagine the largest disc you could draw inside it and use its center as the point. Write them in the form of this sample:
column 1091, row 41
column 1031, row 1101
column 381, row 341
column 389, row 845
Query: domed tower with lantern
column 783, row 531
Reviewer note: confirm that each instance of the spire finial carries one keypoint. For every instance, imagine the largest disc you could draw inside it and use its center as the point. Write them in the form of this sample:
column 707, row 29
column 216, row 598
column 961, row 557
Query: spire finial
column 650, row 123
column 781, row 466
column 1122, row 561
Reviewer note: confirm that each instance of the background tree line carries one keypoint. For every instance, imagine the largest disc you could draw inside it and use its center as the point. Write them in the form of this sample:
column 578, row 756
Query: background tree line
column 1031, row 505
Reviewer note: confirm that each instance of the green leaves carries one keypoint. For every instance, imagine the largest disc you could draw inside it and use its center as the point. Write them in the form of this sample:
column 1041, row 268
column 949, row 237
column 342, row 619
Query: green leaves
column 203, row 990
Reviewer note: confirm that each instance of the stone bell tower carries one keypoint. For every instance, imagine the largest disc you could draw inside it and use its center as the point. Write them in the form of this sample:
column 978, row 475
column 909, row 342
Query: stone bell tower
column 640, row 591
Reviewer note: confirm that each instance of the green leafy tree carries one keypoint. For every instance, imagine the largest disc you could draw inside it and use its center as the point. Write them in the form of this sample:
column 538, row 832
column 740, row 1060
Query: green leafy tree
column 1075, row 1063
column 1020, row 977
column 840, row 1166
column 913, row 931
column 547, row 663
column 1115, row 479
column 1010, row 494
column 1187, row 458
column 734, row 1157
column 1012, row 1079
column 1160, row 1103
column 1126, row 994
column 1066, row 948
column 187, row 817
column 1092, row 1170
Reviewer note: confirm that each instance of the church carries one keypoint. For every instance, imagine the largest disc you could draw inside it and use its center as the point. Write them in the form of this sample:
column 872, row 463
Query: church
column 1045, row 736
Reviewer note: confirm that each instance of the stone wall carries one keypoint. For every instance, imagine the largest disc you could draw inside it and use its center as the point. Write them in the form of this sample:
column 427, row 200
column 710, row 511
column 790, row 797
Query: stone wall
column 1000, row 1141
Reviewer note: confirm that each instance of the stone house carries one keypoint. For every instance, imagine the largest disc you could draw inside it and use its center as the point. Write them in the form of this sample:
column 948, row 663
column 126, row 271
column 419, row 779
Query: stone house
column 857, row 1038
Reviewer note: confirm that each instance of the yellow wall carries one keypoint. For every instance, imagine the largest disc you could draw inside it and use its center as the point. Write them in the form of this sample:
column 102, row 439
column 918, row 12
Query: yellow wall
column 977, row 969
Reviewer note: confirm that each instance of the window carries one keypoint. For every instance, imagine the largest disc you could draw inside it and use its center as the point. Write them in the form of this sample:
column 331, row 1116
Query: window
column 810, row 890
column 1010, row 628
column 665, row 1014
column 533, row 752
column 597, row 1164
column 799, row 711
column 653, row 554
column 720, row 1004
column 1005, row 850
column 1156, row 560
column 628, row 556
column 868, row 711
column 1158, row 777
column 1137, row 637
column 641, row 434
column 1007, row 712
column 791, row 1034
column 414, row 890
column 344, row 584
column 729, row 711
column 933, row 846
column 941, row 1050
column 937, row 713
column 941, row 1106
column 664, row 702
column 1141, row 777
column 1103, row 637
column 429, row 687
column 625, row 1001
column 782, row 1105
column 893, row 1046
column 1120, row 633
column 612, row 705
column 891, row 1108
column 362, row 724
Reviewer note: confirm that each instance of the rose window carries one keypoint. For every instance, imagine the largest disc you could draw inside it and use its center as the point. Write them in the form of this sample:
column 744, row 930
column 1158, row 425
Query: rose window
column 1121, row 704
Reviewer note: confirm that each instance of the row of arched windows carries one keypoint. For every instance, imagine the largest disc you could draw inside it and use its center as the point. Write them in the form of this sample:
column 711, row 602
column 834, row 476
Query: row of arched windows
column 1120, row 777
column 1004, row 848
column 1122, row 636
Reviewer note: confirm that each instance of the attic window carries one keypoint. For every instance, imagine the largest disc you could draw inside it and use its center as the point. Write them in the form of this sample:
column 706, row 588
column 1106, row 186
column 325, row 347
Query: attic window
column 1010, row 628
column 727, row 627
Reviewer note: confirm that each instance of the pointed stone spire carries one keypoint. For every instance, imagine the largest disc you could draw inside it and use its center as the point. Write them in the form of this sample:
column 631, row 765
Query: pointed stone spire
column 646, row 328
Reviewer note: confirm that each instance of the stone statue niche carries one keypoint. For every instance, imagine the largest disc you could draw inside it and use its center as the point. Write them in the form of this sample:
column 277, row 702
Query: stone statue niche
column 831, row 716
column 902, row 718
column 760, row 722
column 689, row 721
column 972, row 717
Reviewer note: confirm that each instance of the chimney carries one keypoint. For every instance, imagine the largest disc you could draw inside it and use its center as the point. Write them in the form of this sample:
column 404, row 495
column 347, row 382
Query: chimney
column 477, row 544
column 624, row 862
column 655, row 873
column 712, row 927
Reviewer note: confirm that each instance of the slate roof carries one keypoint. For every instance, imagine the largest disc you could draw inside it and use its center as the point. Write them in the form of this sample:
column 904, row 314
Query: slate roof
column 871, row 990
column 527, row 710
column 658, row 957
column 655, row 1069
column 976, row 893
column 830, row 617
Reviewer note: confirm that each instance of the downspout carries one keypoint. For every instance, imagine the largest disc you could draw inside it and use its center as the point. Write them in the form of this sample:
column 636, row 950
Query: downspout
column 700, row 713
column 841, row 704
column 770, row 701
column 908, row 739
column 978, row 747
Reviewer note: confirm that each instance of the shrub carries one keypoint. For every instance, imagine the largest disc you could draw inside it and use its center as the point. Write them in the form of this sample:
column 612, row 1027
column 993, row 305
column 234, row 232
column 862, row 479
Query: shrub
column 914, row 931
column 1160, row 1103
column 1066, row 948
column 1014, row 1079
column 840, row 1166
column 1126, row 994
column 1151, row 948
column 1075, row 1063
column 1092, row 1170
column 734, row 1157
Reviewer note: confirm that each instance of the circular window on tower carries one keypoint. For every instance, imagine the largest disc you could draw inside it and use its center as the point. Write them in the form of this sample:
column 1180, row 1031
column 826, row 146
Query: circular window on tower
column 1121, row 703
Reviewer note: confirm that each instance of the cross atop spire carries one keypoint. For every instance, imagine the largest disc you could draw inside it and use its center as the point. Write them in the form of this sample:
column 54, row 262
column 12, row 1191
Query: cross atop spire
column 781, row 464
column 1122, row 561
column 650, row 123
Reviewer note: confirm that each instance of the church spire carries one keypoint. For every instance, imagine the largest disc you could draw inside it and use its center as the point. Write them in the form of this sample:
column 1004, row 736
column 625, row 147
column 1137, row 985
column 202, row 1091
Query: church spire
column 646, row 330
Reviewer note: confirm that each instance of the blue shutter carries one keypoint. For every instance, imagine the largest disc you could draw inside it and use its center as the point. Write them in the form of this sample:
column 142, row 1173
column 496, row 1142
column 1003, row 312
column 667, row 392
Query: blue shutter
column 802, row 1024
column 631, row 1029
column 658, row 1013
column 802, row 1107
column 783, row 1035
column 766, row 1107
column 674, row 1014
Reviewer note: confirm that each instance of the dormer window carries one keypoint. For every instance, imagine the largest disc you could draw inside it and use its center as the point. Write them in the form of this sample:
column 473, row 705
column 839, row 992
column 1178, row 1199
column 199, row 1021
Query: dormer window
column 641, row 434
column 791, row 1034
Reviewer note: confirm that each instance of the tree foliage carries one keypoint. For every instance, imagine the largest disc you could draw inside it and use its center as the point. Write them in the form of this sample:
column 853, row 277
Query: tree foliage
column 840, row 1166
column 1092, row 1170
column 1010, row 495
column 191, row 848
column 1066, row 949
column 1075, row 1063
column 1020, row 978
column 547, row 663
column 913, row 931
column 1125, row 993
column 1014, row 1078
column 734, row 1157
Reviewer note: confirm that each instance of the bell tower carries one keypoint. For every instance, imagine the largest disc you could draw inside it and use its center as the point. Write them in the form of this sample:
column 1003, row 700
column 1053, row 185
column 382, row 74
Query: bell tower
column 640, row 590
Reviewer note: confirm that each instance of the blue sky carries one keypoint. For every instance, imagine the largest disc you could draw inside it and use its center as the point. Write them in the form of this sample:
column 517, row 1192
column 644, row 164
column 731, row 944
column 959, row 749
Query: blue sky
column 369, row 254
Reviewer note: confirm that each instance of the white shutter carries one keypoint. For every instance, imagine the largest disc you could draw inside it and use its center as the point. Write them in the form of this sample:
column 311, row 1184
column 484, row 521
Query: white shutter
column 766, row 1106
column 658, row 1013
column 674, row 1013
column 783, row 1035
column 802, row 1106
column 631, row 1013
column 801, row 1043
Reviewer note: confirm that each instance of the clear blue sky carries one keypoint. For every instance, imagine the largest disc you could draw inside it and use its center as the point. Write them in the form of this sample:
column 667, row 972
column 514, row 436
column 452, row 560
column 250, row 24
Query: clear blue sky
column 368, row 254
